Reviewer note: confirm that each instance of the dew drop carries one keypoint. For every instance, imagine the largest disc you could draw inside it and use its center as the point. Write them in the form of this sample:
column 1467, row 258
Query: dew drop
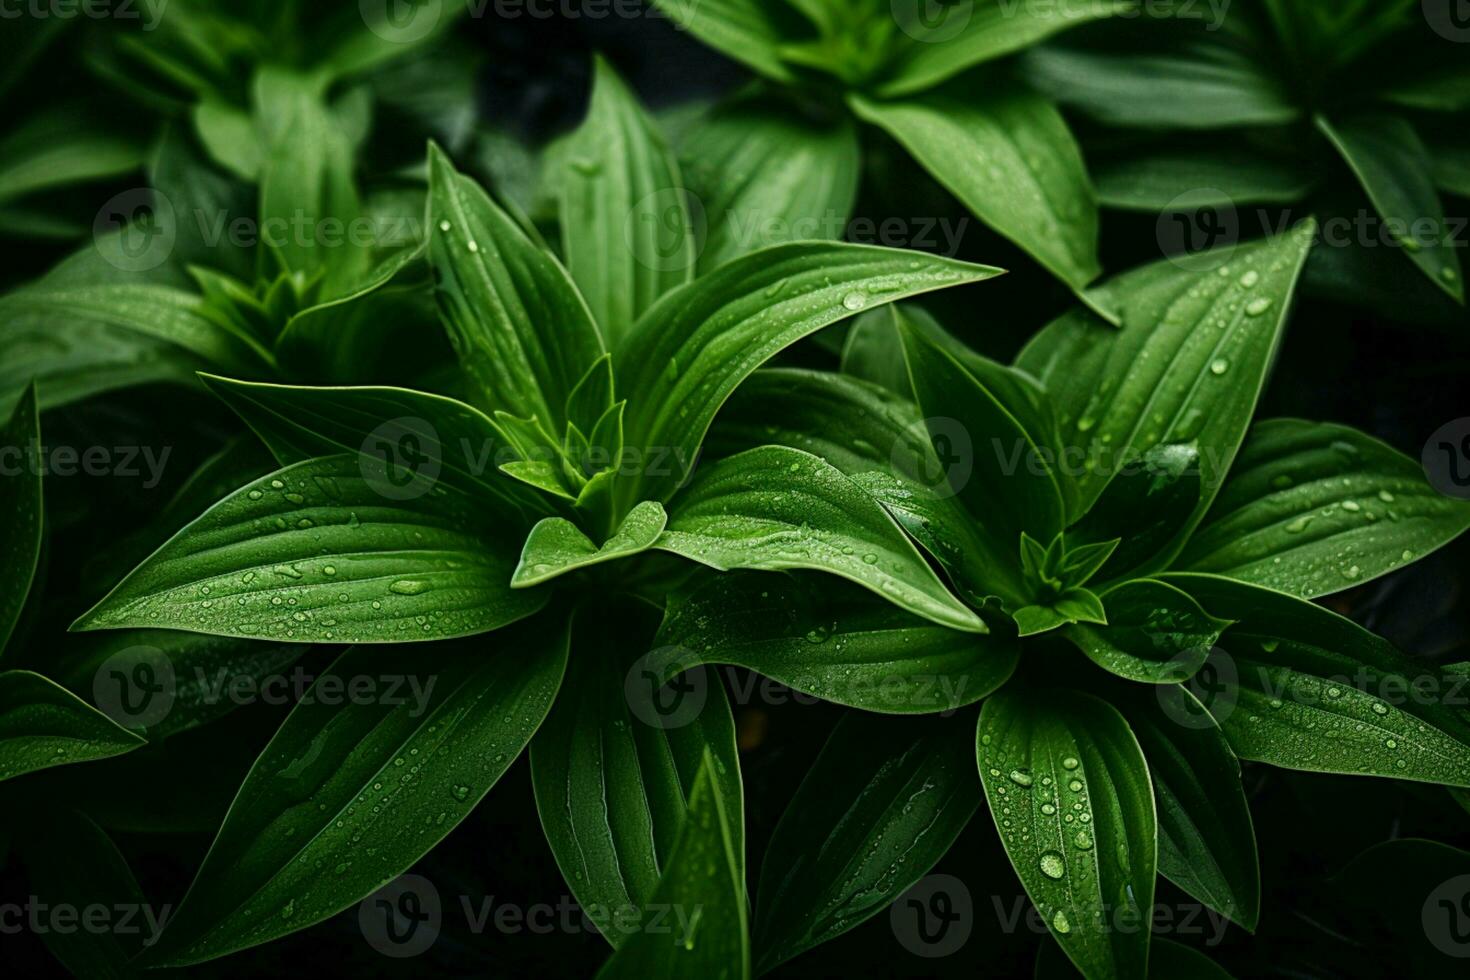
column 1052, row 865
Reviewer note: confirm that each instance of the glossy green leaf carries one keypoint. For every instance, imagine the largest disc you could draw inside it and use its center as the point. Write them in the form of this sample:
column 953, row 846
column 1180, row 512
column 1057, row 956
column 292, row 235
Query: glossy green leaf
column 696, row 925
column 328, row 551
column 1075, row 605
column 1394, row 167
column 522, row 332
column 22, row 523
column 1207, row 843
column 612, row 775
column 1143, row 509
column 1031, row 184
column 988, row 31
column 1303, row 688
column 301, row 841
column 1088, row 869
column 1155, row 180
column 776, row 508
column 44, row 725
column 1011, row 487
column 1155, row 634
column 834, row 641
column 746, row 30
column 557, row 546
column 693, row 349
column 422, row 438
column 625, row 229
column 1187, row 365
column 1314, row 508
column 879, row 807
column 71, row 863
column 766, row 173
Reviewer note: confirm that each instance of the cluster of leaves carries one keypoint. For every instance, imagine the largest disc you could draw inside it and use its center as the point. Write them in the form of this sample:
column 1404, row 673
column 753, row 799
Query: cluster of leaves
column 1014, row 574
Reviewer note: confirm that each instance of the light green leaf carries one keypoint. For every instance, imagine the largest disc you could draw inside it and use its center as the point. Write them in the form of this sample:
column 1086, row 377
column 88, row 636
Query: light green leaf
column 776, row 508
column 423, row 438
column 1011, row 487
column 323, row 552
column 625, row 229
column 1207, row 844
column 1302, row 688
column 229, row 137
column 689, row 353
column 1314, row 508
column 44, row 725
column 879, row 807
column 1155, row 634
column 1394, row 167
column 1187, row 365
column 22, row 524
column 746, row 30
column 557, row 546
column 1089, row 872
column 299, row 845
column 522, row 332
column 1075, row 605
column 703, row 880
column 766, row 173
column 1010, row 159
column 989, row 31
column 834, row 641
column 612, row 777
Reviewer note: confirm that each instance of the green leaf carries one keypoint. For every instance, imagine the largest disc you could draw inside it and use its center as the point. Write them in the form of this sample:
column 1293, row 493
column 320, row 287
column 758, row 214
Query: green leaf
column 71, row 863
column 834, row 641
column 767, row 173
column 300, row 843
column 44, row 725
column 612, row 776
column 1145, row 505
column 625, row 229
column 1394, row 167
column 879, row 807
column 557, row 546
column 1314, row 508
column 1303, row 688
column 422, row 438
column 1075, row 605
column 746, row 30
column 1187, row 365
column 1155, row 634
column 321, row 552
column 1167, row 960
column 702, row 891
column 1033, row 186
column 522, row 332
column 229, row 137
column 989, row 31
column 1088, row 871
column 1207, row 843
column 776, row 508
column 163, row 682
column 688, row 353
column 1011, row 487
column 22, row 523
column 308, row 198
column 62, row 147
column 1154, row 180
column 1212, row 86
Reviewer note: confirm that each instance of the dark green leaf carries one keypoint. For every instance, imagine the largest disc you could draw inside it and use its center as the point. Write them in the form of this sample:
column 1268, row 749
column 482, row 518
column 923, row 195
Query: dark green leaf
column 1155, row 634
column 22, row 523
column 301, row 841
column 44, row 725
column 881, row 804
column 746, row 30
